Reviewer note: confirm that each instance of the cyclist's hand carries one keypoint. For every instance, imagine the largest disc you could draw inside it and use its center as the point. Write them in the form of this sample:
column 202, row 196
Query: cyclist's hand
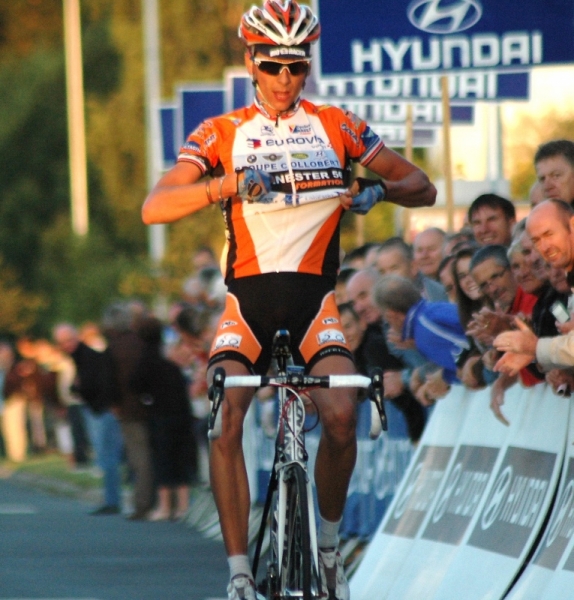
column 365, row 193
column 252, row 186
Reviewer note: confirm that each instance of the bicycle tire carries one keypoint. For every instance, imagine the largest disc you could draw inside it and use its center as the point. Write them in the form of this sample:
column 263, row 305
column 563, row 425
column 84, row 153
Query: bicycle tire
column 295, row 574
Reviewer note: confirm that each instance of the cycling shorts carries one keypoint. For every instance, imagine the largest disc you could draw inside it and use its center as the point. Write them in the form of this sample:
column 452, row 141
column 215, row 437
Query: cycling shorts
column 256, row 307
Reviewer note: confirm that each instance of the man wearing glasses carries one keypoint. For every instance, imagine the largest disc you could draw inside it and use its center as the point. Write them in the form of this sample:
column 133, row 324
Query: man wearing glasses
column 490, row 268
column 279, row 169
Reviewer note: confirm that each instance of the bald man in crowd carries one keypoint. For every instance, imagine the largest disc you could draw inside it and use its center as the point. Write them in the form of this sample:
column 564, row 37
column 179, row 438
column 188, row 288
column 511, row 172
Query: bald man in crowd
column 428, row 248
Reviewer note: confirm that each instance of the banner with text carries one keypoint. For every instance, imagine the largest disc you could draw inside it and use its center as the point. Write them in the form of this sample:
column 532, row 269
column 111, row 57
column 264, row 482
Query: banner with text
column 474, row 501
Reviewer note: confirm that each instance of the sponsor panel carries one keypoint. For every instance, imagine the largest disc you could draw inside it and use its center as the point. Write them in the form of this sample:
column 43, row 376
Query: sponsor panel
column 546, row 577
column 427, row 35
column 388, row 553
column 488, row 510
column 515, row 502
column 461, row 495
column 419, row 491
column 559, row 531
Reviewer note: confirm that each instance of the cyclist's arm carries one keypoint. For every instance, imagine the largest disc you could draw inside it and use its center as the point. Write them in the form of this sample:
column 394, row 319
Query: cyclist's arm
column 406, row 184
column 179, row 193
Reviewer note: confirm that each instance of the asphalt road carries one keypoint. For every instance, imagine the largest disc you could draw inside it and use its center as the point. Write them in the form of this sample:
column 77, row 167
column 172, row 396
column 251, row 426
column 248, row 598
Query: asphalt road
column 51, row 548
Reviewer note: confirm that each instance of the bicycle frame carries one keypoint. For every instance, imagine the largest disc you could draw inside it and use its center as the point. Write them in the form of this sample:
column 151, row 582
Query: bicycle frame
column 290, row 455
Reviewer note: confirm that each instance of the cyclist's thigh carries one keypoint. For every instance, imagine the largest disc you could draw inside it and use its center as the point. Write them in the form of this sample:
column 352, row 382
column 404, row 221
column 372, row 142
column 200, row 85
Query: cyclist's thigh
column 336, row 402
column 323, row 336
column 235, row 340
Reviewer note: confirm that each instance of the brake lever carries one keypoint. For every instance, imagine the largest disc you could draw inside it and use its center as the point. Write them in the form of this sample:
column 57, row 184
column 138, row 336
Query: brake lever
column 216, row 393
column 376, row 395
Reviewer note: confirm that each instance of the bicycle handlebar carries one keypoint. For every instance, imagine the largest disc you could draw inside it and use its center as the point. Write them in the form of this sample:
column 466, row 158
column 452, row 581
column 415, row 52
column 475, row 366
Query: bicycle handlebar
column 298, row 381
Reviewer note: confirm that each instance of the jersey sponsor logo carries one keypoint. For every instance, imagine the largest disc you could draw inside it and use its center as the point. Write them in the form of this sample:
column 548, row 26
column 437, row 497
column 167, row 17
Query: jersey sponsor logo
column 347, row 129
column 227, row 324
column 355, row 120
column 193, row 146
column 330, row 321
column 300, row 155
column 227, row 340
column 329, row 336
column 444, row 16
column 290, row 51
column 210, row 140
column 273, row 157
column 202, row 130
column 300, row 129
column 251, row 159
column 267, row 130
column 305, row 176
column 312, row 141
column 253, row 143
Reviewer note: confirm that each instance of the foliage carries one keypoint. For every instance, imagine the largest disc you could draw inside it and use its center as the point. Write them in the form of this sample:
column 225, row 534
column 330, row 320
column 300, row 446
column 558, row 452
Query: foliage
column 80, row 275
column 18, row 309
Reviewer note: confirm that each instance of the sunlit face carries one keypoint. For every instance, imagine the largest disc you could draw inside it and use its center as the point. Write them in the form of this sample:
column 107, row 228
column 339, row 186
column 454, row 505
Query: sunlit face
column 353, row 330
column 466, row 281
column 524, row 274
column 427, row 249
column 536, row 195
column 392, row 261
column 279, row 92
column 447, row 279
column 556, row 175
column 551, row 236
column 491, row 226
column 495, row 282
column 359, row 289
column 66, row 339
column 533, row 258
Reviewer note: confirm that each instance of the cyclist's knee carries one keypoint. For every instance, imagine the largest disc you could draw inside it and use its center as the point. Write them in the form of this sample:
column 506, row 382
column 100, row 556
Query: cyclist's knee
column 339, row 420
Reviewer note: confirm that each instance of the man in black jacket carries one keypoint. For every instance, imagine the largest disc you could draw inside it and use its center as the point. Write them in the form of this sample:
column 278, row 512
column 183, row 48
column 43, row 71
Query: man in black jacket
column 95, row 383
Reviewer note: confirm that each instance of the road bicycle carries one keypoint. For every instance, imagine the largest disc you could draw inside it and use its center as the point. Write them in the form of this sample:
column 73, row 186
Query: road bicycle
column 288, row 519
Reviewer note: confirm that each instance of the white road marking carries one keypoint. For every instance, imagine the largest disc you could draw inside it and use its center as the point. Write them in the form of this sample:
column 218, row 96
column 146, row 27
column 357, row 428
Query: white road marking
column 17, row 509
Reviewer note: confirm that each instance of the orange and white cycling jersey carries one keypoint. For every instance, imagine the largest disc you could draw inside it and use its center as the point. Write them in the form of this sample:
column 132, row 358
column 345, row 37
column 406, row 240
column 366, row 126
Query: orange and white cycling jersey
column 307, row 153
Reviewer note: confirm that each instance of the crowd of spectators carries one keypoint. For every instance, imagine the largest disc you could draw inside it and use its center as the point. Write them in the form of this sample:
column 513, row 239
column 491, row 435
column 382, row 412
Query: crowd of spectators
column 427, row 313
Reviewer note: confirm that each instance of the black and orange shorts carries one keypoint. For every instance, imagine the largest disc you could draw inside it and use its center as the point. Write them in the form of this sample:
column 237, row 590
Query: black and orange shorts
column 256, row 307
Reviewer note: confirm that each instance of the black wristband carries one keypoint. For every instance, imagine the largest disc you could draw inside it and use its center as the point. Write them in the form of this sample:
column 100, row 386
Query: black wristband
column 385, row 189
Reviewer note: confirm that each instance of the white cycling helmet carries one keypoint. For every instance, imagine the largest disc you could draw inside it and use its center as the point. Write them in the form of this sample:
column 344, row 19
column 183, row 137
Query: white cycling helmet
column 280, row 23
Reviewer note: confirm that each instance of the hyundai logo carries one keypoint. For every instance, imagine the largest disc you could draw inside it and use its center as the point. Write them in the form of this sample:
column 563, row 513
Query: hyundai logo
column 444, row 16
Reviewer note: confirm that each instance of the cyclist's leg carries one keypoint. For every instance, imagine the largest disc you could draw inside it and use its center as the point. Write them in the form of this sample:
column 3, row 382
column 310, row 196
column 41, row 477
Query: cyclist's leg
column 338, row 445
column 228, row 474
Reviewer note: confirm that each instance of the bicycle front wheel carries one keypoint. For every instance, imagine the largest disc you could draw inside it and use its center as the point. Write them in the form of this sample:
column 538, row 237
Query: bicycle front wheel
column 296, row 571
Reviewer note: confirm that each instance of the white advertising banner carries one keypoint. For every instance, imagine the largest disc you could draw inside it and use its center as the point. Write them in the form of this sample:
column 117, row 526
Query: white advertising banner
column 394, row 539
column 550, row 575
column 473, row 501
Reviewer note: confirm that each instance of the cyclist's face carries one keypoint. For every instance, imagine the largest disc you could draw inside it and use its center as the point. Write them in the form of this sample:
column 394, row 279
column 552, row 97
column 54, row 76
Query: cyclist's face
column 278, row 91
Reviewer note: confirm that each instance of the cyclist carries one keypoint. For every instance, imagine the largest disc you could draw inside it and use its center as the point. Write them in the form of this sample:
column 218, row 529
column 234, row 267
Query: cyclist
column 280, row 171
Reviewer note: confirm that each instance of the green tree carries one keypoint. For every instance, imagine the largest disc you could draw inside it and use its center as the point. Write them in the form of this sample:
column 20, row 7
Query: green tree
column 18, row 308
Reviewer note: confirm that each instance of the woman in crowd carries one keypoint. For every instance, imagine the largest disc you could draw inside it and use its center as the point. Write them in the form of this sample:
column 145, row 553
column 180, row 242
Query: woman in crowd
column 163, row 388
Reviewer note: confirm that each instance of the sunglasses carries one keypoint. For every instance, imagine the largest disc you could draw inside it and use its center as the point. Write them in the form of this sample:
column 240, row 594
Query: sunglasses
column 271, row 67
